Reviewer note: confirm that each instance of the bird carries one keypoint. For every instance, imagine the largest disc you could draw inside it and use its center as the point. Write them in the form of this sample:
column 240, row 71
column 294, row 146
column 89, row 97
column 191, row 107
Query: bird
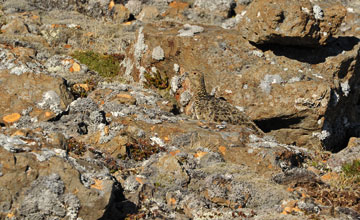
column 213, row 109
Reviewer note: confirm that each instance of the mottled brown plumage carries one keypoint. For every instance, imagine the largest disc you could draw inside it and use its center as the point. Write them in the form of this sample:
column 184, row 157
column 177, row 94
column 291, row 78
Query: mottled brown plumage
column 210, row 108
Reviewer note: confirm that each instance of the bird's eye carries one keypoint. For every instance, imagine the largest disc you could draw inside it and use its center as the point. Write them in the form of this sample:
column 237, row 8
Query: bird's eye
column 194, row 73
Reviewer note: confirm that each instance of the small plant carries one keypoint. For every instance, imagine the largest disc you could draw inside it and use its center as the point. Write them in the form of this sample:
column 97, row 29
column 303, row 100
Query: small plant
column 106, row 65
column 352, row 169
column 82, row 92
column 111, row 164
column 140, row 150
column 75, row 147
column 157, row 80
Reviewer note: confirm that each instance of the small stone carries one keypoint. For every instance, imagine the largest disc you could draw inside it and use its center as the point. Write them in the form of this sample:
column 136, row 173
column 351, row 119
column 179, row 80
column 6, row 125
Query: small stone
column 148, row 13
column 75, row 67
column 12, row 118
column 190, row 30
column 134, row 6
column 158, row 53
column 121, row 13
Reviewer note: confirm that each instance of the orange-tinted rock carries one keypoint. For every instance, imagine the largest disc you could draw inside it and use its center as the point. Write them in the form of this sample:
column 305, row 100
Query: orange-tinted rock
column 11, row 118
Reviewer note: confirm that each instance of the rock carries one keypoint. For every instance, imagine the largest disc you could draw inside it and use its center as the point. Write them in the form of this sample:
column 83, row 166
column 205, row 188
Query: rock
column 15, row 26
column 11, row 118
column 222, row 7
column 257, row 88
column 298, row 24
column 49, row 93
column 190, row 30
column 94, row 8
column 158, row 53
column 148, row 13
column 120, row 13
column 49, row 188
column 123, row 146
column 347, row 155
column 134, row 6
column 297, row 175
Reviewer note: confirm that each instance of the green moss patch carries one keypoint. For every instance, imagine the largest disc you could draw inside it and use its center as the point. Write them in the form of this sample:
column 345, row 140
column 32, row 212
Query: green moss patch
column 352, row 169
column 106, row 65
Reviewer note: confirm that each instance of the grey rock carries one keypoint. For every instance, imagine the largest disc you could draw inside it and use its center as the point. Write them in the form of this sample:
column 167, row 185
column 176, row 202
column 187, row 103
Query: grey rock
column 295, row 175
column 134, row 6
column 215, row 5
column 83, row 105
column 45, row 199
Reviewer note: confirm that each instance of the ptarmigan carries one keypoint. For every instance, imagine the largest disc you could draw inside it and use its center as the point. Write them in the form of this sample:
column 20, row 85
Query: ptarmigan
column 210, row 108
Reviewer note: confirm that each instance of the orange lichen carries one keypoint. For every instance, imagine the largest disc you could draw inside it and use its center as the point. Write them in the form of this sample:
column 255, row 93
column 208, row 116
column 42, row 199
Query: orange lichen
column 111, row 4
column 97, row 184
column 222, row 150
column 173, row 153
column 124, row 95
column 139, row 180
column 200, row 154
column 75, row 67
column 14, row 117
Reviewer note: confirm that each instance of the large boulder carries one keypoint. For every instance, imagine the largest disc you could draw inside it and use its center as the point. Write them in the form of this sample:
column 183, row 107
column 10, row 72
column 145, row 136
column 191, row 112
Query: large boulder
column 294, row 22
column 27, row 89
column 302, row 96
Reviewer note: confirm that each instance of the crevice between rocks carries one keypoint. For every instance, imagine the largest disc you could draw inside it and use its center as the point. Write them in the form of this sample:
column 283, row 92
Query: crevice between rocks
column 268, row 125
column 311, row 55
column 118, row 207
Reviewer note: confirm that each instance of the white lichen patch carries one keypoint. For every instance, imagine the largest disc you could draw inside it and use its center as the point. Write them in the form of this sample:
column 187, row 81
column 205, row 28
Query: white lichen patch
column 190, row 30
column 51, row 100
column 158, row 53
column 157, row 141
column 11, row 144
column 345, row 88
column 321, row 135
column 265, row 84
column 140, row 46
column 318, row 12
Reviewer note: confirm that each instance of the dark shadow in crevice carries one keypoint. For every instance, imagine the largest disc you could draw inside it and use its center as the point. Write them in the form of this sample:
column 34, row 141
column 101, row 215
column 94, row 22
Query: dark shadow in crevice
column 277, row 123
column 118, row 207
column 311, row 55
column 58, row 117
column 231, row 12
column 175, row 110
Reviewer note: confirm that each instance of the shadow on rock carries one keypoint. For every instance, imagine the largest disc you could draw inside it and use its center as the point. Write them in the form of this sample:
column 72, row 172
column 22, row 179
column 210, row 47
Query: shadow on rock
column 312, row 55
column 119, row 207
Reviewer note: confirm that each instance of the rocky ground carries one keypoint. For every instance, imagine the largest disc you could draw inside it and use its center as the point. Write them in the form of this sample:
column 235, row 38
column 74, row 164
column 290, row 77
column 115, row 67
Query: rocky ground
column 96, row 109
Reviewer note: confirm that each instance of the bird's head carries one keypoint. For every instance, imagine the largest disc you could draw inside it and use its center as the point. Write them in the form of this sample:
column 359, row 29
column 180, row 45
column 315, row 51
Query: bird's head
column 196, row 79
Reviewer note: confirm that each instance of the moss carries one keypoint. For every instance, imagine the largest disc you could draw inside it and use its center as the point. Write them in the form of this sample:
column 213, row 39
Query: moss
column 352, row 169
column 105, row 65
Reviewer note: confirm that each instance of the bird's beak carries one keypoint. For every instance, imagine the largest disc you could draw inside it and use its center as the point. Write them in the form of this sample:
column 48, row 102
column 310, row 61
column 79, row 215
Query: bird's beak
column 186, row 74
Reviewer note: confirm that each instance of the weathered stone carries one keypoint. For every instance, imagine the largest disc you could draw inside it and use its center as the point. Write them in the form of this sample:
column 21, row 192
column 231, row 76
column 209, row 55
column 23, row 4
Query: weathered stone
column 15, row 26
column 221, row 7
column 148, row 13
column 347, row 155
column 49, row 93
column 46, row 188
column 293, row 96
column 120, row 13
column 293, row 23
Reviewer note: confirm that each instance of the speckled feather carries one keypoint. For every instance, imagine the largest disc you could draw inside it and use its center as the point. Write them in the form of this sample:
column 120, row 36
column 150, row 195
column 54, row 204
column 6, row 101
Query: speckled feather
column 210, row 108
